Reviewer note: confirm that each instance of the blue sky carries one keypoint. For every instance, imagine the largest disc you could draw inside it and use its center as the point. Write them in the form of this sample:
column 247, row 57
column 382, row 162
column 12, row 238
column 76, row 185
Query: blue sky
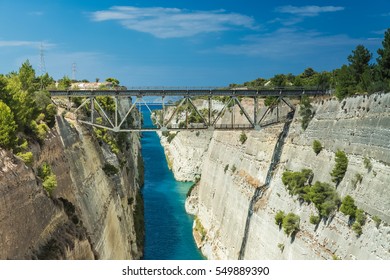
column 187, row 43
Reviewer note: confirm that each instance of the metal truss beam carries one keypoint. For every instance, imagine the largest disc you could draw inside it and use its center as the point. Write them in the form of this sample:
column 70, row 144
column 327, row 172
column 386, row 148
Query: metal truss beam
column 114, row 121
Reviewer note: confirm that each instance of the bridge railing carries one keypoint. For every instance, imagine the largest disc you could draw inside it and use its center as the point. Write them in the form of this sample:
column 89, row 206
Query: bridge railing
column 192, row 92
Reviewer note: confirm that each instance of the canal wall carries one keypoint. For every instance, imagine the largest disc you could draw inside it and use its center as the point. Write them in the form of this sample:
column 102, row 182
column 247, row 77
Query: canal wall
column 96, row 210
column 232, row 172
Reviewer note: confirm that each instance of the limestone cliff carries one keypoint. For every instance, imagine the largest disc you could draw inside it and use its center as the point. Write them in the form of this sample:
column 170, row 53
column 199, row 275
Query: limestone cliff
column 90, row 215
column 236, row 218
column 185, row 153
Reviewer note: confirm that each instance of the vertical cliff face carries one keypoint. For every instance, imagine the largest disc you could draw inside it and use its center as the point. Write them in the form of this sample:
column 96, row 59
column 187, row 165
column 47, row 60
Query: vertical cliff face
column 185, row 153
column 110, row 206
column 89, row 215
column 233, row 171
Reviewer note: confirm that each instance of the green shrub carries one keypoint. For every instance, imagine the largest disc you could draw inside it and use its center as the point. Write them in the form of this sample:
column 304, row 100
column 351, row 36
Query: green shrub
column 40, row 117
column 49, row 179
column 377, row 221
column 44, row 171
column 324, row 197
column 290, row 223
column 171, row 136
column 50, row 183
column 281, row 247
column 357, row 228
column 358, row 179
column 340, row 168
column 104, row 136
column 234, row 168
column 335, row 257
column 279, row 218
column 348, row 206
column 51, row 111
column 8, row 126
column 314, row 219
column 39, row 130
column 317, row 147
column 305, row 112
column 297, row 183
column 226, row 168
column 26, row 157
column 200, row 229
column 367, row 164
column 23, row 146
column 271, row 101
column 182, row 125
column 110, row 169
column 360, row 216
column 243, row 137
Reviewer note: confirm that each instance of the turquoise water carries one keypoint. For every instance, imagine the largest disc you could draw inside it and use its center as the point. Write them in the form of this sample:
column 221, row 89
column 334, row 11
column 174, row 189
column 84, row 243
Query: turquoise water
column 168, row 227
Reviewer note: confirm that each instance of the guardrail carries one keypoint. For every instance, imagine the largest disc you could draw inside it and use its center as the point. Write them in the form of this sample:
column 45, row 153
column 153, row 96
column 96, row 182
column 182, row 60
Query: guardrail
column 192, row 92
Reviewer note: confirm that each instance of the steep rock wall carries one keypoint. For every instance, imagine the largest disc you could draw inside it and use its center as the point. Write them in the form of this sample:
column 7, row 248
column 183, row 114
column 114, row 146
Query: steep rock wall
column 109, row 205
column 360, row 126
column 185, row 153
column 89, row 215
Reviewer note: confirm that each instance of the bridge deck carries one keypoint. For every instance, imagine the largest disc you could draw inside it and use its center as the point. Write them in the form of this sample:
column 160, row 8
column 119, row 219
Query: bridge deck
column 191, row 92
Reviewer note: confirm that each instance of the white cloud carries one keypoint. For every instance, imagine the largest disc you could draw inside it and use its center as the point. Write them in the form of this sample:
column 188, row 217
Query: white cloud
column 172, row 22
column 29, row 44
column 36, row 13
column 289, row 42
column 379, row 32
column 308, row 11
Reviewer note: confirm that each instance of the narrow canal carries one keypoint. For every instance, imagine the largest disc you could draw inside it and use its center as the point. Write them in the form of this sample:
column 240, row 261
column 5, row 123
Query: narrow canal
column 168, row 226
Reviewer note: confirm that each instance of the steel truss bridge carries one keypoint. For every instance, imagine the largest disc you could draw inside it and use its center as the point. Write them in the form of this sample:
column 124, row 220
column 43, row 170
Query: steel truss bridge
column 207, row 119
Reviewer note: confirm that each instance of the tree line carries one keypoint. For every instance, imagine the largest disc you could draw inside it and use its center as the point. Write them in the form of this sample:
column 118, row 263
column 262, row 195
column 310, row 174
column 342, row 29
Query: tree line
column 358, row 76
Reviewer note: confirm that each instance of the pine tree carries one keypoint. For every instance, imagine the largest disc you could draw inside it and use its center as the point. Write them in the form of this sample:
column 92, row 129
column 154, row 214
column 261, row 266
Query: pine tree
column 7, row 126
column 384, row 56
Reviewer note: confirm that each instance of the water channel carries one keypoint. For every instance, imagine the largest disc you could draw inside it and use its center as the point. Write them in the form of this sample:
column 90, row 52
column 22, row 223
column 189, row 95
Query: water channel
column 168, row 227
